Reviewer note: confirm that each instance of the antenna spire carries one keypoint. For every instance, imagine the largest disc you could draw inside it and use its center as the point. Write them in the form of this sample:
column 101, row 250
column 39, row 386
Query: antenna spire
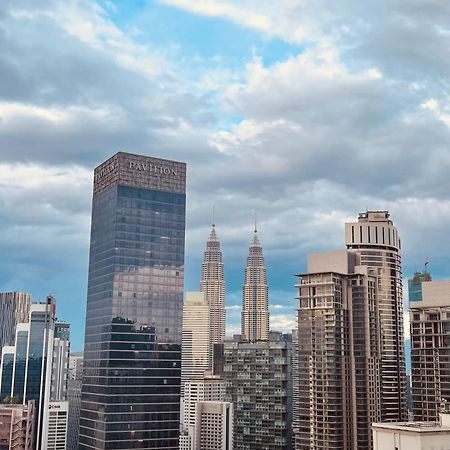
column 213, row 216
column 256, row 222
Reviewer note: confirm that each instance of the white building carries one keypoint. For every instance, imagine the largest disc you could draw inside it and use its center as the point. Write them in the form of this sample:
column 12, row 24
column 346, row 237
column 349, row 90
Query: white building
column 195, row 346
column 213, row 426
column 208, row 388
column 55, row 433
column 412, row 435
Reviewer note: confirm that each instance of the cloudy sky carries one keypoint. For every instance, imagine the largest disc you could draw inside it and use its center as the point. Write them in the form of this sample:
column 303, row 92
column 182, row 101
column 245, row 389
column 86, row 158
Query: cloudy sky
column 306, row 111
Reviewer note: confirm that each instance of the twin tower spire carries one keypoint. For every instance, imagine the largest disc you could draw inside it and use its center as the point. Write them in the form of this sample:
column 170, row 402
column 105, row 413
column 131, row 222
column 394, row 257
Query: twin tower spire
column 255, row 308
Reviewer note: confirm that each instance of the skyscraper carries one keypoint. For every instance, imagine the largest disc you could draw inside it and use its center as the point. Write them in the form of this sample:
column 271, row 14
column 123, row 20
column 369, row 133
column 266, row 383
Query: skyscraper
column 131, row 375
column 36, row 368
column 255, row 308
column 74, row 399
column 375, row 238
column 338, row 385
column 430, row 350
column 196, row 341
column 14, row 309
column 212, row 284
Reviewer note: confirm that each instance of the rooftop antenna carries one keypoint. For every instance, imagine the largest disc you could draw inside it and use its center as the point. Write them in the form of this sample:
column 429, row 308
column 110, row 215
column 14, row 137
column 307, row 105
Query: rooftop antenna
column 256, row 228
column 213, row 216
column 427, row 261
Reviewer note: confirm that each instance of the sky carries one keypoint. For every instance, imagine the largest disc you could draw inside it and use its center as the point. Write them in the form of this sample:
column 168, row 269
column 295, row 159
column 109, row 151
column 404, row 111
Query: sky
column 304, row 111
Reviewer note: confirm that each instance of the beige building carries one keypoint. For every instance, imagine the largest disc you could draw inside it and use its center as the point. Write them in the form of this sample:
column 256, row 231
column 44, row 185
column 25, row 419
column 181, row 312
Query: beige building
column 212, row 284
column 14, row 309
column 255, row 307
column 196, row 337
column 208, row 388
column 213, row 426
column 430, row 350
column 17, row 426
column 413, row 435
column 375, row 238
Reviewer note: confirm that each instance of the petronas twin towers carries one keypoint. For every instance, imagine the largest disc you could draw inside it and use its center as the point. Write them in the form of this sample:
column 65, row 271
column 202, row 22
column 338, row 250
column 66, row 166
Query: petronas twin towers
column 255, row 308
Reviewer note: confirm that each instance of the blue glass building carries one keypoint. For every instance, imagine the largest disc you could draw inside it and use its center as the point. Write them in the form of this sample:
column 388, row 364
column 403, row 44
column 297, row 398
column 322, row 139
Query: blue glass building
column 415, row 285
column 132, row 358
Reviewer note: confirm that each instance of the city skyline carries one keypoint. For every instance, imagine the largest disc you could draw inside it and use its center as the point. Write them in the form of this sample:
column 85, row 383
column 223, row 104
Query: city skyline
column 307, row 114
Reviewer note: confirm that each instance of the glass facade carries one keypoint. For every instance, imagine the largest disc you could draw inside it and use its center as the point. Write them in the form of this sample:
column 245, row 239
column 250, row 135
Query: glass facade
column 7, row 374
column 21, row 362
column 132, row 360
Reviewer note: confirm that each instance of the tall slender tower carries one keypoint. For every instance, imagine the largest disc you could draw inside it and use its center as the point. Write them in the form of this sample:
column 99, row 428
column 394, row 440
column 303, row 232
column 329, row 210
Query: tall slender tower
column 212, row 285
column 255, row 308
column 130, row 396
column 375, row 238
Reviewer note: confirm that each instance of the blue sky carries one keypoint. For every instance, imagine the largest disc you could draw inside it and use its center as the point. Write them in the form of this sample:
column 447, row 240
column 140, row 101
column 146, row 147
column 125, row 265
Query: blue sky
column 307, row 112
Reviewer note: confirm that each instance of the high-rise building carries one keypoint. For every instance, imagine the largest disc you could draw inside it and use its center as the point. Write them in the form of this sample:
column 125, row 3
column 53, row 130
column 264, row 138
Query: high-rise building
column 17, row 426
column 430, row 350
column 295, row 385
column 213, row 426
column 338, row 354
column 258, row 382
column 34, row 369
column 196, row 337
column 207, row 388
column 255, row 308
column 212, row 284
column 56, row 429
column 74, row 399
column 415, row 285
column 132, row 357
column 375, row 238
column 14, row 309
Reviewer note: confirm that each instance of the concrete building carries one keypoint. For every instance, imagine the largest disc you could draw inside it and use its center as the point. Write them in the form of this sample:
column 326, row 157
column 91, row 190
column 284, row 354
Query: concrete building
column 258, row 382
column 17, row 426
column 212, row 284
column 74, row 399
column 413, row 435
column 375, row 238
column 255, row 307
column 338, row 353
column 213, row 426
column 430, row 350
column 132, row 353
column 196, row 337
column 205, row 388
column 295, row 386
column 14, row 309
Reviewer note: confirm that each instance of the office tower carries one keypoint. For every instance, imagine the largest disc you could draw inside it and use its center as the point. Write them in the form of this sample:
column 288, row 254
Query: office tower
column 17, row 426
column 212, row 284
column 415, row 285
column 258, row 382
column 56, row 431
column 430, row 350
column 375, row 238
column 33, row 368
column 74, row 399
column 255, row 308
column 207, row 388
column 132, row 357
column 14, row 309
column 61, row 353
column 338, row 353
column 213, row 426
column 196, row 337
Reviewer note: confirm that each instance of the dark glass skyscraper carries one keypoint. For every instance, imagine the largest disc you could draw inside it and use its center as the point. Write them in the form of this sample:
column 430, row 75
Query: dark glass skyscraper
column 132, row 359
